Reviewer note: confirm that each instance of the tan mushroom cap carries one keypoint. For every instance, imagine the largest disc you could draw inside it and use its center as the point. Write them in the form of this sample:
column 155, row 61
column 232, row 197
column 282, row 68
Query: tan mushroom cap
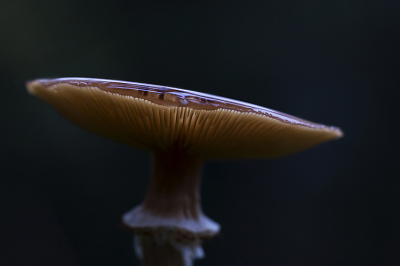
column 159, row 118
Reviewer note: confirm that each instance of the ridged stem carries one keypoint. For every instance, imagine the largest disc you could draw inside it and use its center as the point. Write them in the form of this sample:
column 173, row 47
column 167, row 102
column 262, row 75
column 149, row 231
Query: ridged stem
column 170, row 225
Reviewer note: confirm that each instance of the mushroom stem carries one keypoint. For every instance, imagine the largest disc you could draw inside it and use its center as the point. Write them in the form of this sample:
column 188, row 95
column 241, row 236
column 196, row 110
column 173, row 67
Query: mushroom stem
column 156, row 251
column 170, row 225
column 174, row 186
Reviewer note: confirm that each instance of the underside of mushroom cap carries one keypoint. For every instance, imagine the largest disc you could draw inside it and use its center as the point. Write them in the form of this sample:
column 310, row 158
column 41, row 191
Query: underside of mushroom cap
column 230, row 130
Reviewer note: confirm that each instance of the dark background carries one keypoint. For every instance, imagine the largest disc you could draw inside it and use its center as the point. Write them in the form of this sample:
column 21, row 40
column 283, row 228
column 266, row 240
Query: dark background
column 63, row 190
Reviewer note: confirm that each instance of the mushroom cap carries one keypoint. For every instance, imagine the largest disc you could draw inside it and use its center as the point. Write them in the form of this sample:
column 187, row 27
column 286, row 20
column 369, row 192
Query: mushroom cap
column 159, row 118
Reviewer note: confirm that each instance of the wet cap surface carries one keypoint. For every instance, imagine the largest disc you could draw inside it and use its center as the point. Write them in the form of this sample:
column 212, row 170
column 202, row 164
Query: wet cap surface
column 162, row 118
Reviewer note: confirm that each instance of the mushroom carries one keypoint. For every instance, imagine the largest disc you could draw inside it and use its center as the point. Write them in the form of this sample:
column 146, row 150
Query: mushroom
column 182, row 129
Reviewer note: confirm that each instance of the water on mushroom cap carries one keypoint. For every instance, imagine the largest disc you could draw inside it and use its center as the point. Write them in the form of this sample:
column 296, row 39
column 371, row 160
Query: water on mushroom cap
column 170, row 96
column 161, row 118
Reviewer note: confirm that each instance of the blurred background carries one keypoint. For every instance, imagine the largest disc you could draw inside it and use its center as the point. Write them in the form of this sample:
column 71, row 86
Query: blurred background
column 63, row 190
